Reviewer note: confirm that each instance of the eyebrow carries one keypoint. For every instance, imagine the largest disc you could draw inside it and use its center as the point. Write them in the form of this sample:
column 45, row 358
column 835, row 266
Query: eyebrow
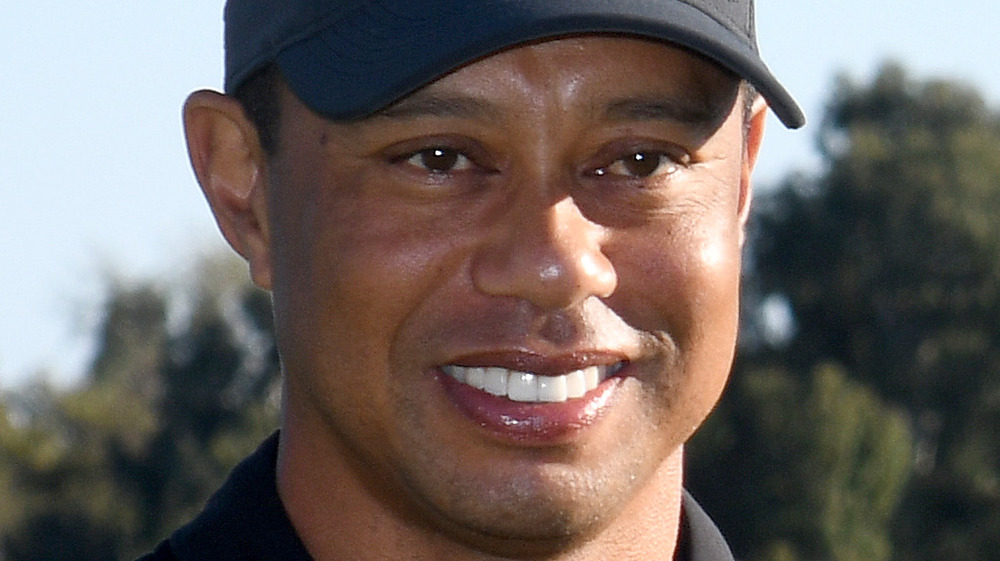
column 423, row 104
column 664, row 108
column 691, row 112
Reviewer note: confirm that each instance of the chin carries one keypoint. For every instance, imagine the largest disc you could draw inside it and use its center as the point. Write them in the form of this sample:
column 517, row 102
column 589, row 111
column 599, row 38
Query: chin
column 529, row 509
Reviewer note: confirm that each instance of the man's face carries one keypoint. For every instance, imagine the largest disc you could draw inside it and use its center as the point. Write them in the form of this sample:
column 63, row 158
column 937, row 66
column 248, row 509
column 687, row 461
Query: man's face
column 560, row 225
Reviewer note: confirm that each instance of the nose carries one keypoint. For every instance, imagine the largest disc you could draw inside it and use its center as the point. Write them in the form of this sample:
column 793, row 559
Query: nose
column 551, row 256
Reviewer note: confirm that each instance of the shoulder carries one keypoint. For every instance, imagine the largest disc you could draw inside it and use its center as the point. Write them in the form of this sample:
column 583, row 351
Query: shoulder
column 700, row 538
column 244, row 519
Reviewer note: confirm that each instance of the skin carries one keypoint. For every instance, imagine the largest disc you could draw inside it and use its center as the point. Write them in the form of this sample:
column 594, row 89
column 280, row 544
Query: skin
column 529, row 235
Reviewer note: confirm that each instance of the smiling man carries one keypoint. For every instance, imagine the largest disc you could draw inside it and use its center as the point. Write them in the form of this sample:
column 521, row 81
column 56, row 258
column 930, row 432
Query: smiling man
column 503, row 240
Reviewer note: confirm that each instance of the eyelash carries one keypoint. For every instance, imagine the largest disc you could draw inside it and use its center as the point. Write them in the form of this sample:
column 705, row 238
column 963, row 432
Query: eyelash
column 620, row 167
column 456, row 160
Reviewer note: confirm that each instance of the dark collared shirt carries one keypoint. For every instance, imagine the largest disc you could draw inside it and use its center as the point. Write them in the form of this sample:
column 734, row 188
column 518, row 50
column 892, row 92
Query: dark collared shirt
column 245, row 521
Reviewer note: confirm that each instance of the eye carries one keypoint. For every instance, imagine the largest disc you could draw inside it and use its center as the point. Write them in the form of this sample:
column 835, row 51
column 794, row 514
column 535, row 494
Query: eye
column 440, row 161
column 640, row 165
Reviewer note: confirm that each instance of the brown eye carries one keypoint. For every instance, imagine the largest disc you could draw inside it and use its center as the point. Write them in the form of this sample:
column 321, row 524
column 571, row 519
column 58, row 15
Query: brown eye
column 642, row 164
column 440, row 160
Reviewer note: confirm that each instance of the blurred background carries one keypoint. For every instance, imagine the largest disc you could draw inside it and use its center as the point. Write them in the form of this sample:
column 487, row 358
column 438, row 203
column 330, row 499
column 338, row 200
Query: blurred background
column 863, row 420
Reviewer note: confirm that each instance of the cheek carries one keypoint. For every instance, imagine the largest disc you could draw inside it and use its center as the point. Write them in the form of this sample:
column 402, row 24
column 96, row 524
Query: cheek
column 713, row 290
column 350, row 283
column 684, row 288
column 683, row 280
column 351, row 272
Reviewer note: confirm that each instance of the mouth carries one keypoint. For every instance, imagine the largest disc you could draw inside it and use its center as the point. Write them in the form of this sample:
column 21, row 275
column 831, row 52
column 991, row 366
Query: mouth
column 529, row 387
column 523, row 399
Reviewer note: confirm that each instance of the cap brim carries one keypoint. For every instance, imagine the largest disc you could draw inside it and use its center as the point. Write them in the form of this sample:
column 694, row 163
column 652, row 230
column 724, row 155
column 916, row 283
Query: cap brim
column 379, row 54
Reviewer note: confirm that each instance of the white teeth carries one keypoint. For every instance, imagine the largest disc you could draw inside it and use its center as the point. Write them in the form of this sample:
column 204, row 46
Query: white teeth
column 528, row 387
column 552, row 388
column 496, row 381
column 454, row 372
column 592, row 376
column 476, row 377
column 576, row 384
column 522, row 386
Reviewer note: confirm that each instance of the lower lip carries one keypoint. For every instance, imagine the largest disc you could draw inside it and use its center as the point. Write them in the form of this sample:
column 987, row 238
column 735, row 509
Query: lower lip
column 538, row 424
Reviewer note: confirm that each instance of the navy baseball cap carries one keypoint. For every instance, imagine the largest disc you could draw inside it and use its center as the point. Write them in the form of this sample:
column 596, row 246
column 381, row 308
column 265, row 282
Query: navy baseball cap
column 347, row 59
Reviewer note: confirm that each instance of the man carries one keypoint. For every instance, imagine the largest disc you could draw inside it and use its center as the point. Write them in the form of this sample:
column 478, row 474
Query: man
column 503, row 242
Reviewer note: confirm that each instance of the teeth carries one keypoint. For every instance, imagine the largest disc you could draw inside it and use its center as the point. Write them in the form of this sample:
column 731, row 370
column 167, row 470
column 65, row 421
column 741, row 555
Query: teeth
column 528, row 387
column 552, row 389
column 576, row 384
column 496, row 381
column 522, row 386
column 476, row 377
column 592, row 376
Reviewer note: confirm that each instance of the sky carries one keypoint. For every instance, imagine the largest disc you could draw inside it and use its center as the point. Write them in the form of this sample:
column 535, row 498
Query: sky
column 95, row 182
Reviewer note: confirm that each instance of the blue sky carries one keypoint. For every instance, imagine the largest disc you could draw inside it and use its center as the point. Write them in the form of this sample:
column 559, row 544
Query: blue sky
column 94, row 180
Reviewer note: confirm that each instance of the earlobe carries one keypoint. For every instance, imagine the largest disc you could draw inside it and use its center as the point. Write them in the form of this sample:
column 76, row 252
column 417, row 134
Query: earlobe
column 230, row 166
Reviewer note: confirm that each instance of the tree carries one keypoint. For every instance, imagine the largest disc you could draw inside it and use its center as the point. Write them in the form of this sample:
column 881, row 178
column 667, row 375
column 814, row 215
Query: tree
column 181, row 387
column 802, row 467
column 890, row 261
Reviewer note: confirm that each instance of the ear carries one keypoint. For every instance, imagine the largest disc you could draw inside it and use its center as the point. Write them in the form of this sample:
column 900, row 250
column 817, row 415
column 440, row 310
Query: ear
column 751, row 148
column 230, row 165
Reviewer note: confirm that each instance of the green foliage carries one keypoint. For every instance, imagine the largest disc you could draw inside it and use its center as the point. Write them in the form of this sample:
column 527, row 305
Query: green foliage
column 803, row 467
column 181, row 387
column 890, row 262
